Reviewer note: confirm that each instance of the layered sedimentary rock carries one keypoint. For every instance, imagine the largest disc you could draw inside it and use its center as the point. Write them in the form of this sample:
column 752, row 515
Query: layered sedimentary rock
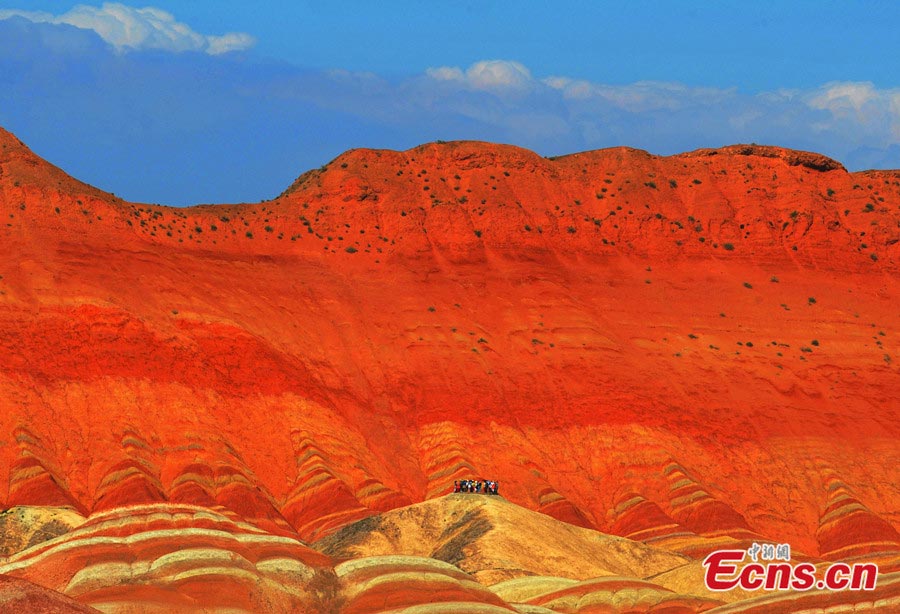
column 693, row 351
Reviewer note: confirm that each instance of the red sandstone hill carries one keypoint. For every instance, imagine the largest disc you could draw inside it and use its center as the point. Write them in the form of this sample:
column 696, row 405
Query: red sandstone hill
column 688, row 351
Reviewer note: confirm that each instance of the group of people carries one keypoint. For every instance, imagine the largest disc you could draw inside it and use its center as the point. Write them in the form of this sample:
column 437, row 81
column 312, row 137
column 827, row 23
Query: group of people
column 488, row 487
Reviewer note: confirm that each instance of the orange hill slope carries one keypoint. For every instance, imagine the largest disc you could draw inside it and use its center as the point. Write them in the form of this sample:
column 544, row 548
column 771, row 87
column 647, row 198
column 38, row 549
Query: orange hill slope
column 690, row 350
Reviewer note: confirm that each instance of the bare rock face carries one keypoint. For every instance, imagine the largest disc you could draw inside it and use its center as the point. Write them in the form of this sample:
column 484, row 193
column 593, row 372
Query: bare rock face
column 23, row 527
column 494, row 540
column 816, row 162
column 691, row 352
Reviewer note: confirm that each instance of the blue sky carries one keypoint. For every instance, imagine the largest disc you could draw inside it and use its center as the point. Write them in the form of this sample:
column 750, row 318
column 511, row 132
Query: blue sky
column 228, row 101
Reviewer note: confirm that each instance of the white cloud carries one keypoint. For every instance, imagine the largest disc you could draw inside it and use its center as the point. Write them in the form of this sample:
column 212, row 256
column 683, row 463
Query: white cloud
column 508, row 79
column 125, row 27
column 233, row 41
column 486, row 75
column 446, row 73
column 640, row 96
column 559, row 112
column 859, row 109
column 576, row 89
column 36, row 16
column 842, row 97
column 489, row 74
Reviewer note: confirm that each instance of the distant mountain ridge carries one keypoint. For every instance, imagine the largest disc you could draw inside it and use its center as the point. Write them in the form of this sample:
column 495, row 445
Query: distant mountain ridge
column 480, row 195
